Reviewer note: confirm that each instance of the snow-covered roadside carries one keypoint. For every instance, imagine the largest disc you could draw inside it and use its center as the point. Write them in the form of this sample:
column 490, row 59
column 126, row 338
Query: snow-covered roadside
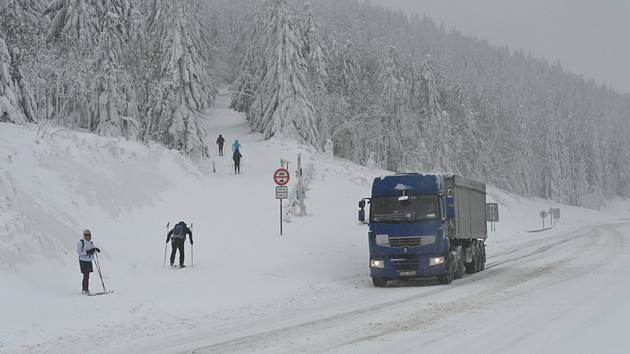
column 53, row 187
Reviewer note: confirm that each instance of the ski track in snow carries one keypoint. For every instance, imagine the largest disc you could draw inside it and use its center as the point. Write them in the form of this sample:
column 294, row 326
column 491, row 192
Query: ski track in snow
column 253, row 291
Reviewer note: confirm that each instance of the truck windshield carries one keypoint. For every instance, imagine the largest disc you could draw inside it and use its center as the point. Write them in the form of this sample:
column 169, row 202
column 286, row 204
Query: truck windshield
column 392, row 210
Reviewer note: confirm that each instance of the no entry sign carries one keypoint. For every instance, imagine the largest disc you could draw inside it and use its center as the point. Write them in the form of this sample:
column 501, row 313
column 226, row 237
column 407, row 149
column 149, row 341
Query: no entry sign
column 281, row 177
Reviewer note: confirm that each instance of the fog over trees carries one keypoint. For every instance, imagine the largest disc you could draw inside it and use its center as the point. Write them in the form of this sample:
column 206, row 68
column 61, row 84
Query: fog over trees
column 377, row 83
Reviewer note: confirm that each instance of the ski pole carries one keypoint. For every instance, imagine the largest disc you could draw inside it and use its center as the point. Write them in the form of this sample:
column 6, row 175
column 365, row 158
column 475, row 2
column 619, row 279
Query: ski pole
column 98, row 268
column 165, row 245
column 192, row 253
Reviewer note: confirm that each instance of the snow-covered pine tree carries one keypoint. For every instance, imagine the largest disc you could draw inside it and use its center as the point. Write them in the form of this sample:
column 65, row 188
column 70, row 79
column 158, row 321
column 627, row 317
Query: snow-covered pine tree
column 252, row 66
column 113, row 106
column 24, row 28
column 315, row 50
column 75, row 21
column 318, row 77
column 433, row 120
column 392, row 96
column 183, row 88
column 283, row 104
column 11, row 110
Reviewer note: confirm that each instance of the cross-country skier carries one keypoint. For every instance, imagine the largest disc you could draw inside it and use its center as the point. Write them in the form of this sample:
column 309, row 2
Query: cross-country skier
column 237, row 161
column 178, row 236
column 236, row 145
column 85, row 250
column 220, row 142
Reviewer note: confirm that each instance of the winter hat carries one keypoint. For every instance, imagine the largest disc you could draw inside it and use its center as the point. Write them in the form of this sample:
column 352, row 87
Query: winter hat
column 87, row 232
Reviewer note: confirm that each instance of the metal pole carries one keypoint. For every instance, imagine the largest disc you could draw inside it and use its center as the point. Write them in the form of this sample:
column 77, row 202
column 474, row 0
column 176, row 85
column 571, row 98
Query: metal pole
column 166, row 245
column 98, row 267
column 280, row 217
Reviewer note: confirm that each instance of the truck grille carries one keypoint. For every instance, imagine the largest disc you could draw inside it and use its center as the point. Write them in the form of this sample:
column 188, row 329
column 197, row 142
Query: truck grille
column 404, row 264
column 401, row 242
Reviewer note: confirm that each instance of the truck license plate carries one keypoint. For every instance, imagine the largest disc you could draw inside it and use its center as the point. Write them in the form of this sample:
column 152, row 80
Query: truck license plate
column 407, row 273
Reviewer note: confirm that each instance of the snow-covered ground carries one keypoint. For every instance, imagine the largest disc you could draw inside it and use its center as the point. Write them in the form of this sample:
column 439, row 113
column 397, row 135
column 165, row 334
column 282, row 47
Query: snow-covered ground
column 252, row 290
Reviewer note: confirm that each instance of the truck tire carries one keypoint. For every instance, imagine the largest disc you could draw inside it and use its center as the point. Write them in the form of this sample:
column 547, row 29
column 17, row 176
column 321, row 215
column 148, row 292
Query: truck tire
column 460, row 269
column 447, row 278
column 473, row 267
column 482, row 264
column 379, row 282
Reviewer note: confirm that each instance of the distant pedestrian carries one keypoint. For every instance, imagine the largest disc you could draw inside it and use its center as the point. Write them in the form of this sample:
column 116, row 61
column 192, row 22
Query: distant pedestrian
column 220, row 142
column 237, row 162
column 236, row 145
column 85, row 250
column 178, row 235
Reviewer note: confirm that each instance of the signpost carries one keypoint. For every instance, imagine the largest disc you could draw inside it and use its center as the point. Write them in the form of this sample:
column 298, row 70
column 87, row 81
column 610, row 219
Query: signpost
column 492, row 215
column 281, row 177
column 543, row 215
column 555, row 215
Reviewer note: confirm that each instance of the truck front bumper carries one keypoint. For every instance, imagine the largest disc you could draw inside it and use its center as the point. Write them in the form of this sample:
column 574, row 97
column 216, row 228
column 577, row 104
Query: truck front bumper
column 408, row 266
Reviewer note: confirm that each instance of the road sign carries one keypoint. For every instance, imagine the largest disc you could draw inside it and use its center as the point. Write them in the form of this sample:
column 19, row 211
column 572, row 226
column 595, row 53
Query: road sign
column 492, row 212
column 282, row 192
column 281, row 177
column 543, row 214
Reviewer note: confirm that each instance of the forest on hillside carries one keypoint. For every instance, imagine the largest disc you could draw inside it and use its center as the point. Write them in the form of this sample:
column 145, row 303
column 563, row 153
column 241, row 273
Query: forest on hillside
column 382, row 87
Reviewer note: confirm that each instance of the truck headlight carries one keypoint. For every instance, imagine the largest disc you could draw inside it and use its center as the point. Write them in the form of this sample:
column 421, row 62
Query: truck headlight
column 433, row 261
column 377, row 263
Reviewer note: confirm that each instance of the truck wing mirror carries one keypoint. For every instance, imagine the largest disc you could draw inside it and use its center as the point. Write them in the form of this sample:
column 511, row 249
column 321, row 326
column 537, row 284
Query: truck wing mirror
column 362, row 215
column 362, row 204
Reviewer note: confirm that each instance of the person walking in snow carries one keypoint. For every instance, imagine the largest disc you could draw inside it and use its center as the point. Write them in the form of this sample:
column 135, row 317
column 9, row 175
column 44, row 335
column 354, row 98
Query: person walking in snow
column 237, row 162
column 85, row 250
column 220, row 142
column 178, row 236
column 236, row 145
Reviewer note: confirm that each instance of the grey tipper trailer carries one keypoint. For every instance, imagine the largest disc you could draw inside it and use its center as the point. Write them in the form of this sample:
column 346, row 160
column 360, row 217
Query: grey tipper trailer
column 469, row 199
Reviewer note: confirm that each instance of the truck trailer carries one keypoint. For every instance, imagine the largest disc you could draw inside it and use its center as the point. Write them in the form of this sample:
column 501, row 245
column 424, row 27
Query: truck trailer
column 424, row 226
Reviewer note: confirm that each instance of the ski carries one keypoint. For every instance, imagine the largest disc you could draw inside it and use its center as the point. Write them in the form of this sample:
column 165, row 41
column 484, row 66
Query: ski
column 101, row 293
column 178, row 267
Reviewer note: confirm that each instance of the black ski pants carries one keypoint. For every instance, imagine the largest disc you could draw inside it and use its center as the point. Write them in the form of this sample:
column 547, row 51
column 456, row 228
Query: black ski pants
column 178, row 244
column 220, row 149
column 237, row 167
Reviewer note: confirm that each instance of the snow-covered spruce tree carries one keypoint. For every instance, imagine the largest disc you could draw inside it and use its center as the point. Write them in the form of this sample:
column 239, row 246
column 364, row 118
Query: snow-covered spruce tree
column 72, row 38
column 318, row 77
column 75, row 21
column 315, row 50
column 284, row 101
column 182, row 88
column 11, row 109
column 252, row 65
column 24, row 30
column 113, row 105
column 434, row 121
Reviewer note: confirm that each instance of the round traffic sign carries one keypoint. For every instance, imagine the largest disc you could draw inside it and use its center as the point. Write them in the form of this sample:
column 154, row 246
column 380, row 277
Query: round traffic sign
column 281, row 176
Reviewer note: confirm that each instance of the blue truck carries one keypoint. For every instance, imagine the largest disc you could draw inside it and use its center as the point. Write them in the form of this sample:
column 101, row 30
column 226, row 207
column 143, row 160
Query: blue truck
column 425, row 226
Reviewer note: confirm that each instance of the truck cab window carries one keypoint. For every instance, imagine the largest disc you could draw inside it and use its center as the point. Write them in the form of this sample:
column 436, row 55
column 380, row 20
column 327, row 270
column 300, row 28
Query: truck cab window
column 414, row 209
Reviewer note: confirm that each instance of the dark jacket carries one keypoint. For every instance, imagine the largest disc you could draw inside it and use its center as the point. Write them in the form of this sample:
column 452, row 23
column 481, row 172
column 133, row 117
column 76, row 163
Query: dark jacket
column 220, row 140
column 237, row 156
column 187, row 231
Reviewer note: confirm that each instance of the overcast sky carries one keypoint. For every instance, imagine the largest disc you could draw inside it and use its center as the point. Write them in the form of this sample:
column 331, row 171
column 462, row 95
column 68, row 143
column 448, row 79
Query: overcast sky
column 589, row 37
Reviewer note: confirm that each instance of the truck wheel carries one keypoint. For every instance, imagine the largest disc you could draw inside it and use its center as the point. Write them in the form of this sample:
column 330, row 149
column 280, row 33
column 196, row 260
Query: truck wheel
column 447, row 278
column 459, row 271
column 482, row 263
column 473, row 267
column 379, row 282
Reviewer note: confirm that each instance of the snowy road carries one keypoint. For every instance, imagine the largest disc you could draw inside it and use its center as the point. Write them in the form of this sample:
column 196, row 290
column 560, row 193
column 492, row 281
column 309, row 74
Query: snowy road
column 563, row 294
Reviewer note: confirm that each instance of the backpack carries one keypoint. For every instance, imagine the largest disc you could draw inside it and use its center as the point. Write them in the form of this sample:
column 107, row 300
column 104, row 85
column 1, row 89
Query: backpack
column 179, row 231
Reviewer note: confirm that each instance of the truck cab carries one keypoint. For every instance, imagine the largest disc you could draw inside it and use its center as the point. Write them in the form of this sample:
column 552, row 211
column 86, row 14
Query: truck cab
column 423, row 226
